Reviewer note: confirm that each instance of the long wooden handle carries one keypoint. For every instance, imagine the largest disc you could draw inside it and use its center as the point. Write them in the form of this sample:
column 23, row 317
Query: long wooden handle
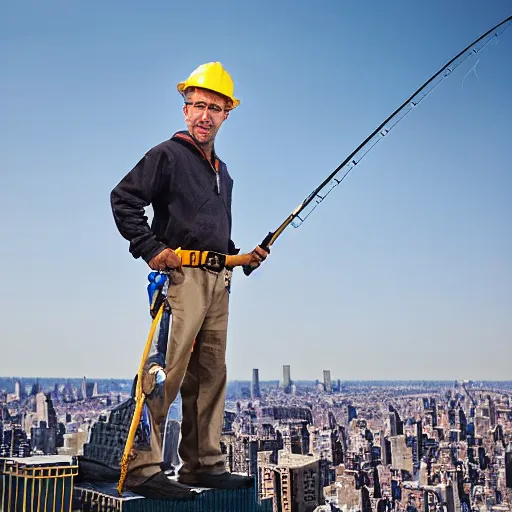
column 237, row 260
column 139, row 403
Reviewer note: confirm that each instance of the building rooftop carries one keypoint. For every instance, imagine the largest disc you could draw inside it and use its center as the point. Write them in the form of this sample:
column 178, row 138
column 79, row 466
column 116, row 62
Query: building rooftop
column 103, row 497
column 295, row 460
column 40, row 460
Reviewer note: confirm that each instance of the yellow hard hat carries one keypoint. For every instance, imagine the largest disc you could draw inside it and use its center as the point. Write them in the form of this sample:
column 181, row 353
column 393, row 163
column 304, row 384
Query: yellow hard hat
column 211, row 76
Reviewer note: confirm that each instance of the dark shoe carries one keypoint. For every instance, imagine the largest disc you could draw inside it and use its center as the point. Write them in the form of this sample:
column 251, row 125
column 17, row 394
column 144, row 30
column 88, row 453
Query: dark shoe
column 221, row 481
column 94, row 471
column 160, row 487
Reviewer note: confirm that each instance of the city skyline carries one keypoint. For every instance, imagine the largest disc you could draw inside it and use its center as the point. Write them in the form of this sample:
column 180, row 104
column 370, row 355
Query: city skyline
column 403, row 272
column 324, row 447
column 277, row 382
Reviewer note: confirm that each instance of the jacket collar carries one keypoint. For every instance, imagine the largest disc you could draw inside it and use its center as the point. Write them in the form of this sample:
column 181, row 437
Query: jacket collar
column 189, row 140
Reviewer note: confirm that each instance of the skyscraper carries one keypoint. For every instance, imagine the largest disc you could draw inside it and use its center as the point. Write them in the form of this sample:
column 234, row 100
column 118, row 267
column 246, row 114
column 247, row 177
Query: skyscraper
column 352, row 412
column 255, row 384
column 84, row 389
column 434, row 411
column 365, row 504
column 385, row 447
column 91, row 389
column 508, row 466
column 395, row 422
column 401, row 455
column 462, row 424
column 17, row 389
column 41, row 407
column 492, row 410
column 55, row 393
column 327, row 381
column 287, row 381
column 294, row 482
column 419, row 441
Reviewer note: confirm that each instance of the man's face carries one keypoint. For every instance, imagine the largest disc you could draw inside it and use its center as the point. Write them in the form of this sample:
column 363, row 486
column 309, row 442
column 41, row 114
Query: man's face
column 205, row 111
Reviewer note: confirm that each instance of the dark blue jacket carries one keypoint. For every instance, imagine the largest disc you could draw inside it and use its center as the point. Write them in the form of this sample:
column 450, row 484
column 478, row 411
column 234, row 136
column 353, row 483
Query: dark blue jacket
column 190, row 199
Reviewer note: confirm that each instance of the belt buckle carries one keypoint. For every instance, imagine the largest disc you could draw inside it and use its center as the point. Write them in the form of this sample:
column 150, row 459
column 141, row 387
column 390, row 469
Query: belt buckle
column 215, row 261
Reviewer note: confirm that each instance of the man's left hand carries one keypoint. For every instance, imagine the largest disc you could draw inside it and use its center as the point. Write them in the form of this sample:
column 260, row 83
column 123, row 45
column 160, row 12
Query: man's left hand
column 258, row 256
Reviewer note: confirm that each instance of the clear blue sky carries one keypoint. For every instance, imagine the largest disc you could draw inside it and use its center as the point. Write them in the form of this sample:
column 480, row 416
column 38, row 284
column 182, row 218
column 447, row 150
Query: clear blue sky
column 404, row 272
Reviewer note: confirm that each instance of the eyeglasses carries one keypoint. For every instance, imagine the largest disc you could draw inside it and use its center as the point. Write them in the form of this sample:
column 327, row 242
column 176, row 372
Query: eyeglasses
column 201, row 106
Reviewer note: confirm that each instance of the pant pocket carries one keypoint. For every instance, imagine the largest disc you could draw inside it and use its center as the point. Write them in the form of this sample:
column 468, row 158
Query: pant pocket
column 176, row 276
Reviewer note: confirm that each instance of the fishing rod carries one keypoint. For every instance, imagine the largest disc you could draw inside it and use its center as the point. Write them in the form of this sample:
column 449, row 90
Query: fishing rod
column 304, row 210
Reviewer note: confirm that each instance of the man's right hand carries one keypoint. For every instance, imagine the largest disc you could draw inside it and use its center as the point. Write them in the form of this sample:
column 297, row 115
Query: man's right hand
column 165, row 260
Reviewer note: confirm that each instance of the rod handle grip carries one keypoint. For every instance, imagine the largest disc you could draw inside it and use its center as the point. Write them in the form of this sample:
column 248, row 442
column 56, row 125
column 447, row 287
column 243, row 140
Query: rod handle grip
column 248, row 270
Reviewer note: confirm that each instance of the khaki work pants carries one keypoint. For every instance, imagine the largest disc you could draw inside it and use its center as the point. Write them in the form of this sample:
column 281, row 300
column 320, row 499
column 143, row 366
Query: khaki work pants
column 199, row 304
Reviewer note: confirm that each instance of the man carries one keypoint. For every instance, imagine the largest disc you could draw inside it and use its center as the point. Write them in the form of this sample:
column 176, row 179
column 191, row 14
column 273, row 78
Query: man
column 190, row 189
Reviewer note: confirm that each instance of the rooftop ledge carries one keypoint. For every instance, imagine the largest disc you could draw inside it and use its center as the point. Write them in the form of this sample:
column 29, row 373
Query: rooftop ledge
column 103, row 497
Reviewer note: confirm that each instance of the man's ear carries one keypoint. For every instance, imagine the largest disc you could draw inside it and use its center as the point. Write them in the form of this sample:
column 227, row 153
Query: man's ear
column 185, row 111
column 226, row 114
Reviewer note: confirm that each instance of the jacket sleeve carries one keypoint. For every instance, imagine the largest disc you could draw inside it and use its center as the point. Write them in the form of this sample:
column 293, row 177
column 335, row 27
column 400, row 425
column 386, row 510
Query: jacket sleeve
column 232, row 248
column 131, row 196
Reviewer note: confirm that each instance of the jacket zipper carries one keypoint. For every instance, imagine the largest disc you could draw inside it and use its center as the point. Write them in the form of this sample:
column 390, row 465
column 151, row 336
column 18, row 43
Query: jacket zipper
column 214, row 169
